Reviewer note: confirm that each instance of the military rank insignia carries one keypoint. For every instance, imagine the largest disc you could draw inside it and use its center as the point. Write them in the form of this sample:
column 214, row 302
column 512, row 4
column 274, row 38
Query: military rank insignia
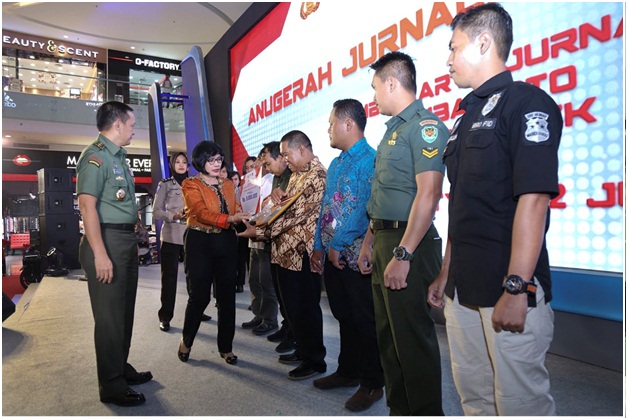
column 94, row 160
column 393, row 139
column 429, row 152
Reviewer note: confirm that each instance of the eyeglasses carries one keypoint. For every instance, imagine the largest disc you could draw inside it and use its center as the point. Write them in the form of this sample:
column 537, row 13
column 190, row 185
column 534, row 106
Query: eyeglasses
column 217, row 159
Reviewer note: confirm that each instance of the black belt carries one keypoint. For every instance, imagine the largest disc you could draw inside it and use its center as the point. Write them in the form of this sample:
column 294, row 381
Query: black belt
column 378, row 224
column 119, row 226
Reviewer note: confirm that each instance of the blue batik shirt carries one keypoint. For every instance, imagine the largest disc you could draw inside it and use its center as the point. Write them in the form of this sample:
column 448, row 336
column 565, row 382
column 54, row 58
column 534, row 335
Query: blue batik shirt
column 343, row 220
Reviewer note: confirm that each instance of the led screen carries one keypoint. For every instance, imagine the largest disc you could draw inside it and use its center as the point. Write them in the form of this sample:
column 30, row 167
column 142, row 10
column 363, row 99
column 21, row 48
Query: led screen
column 288, row 71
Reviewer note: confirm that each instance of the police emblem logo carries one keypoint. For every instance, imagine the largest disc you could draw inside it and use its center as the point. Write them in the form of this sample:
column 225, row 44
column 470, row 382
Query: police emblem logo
column 430, row 134
column 491, row 104
column 537, row 127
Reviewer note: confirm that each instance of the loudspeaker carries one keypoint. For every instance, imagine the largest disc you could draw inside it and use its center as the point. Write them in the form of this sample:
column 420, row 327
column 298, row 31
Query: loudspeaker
column 53, row 179
column 60, row 202
column 61, row 232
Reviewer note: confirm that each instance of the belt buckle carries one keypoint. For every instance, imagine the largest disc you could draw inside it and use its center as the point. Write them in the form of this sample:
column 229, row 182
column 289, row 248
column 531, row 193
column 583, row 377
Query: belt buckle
column 395, row 224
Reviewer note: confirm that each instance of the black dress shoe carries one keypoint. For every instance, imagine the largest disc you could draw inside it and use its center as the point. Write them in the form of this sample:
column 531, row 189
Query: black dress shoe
column 232, row 360
column 264, row 328
column 285, row 346
column 205, row 317
column 239, row 289
column 164, row 325
column 255, row 322
column 290, row 359
column 183, row 356
column 278, row 336
column 129, row 398
column 303, row 372
column 138, row 378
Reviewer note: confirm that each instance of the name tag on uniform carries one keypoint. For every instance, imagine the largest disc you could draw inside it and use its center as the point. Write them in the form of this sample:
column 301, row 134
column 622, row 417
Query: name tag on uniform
column 484, row 124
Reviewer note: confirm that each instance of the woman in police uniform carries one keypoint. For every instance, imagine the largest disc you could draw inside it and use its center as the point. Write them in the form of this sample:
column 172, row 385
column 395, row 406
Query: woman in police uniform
column 168, row 207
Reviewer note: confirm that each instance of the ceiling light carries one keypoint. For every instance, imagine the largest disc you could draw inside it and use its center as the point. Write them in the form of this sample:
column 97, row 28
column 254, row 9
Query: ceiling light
column 7, row 136
column 32, row 57
column 65, row 36
column 132, row 48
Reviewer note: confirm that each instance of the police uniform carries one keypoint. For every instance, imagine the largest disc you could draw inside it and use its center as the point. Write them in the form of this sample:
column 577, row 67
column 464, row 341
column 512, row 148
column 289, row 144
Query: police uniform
column 504, row 146
column 168, row 202
column 102, row 172
column 413, row 143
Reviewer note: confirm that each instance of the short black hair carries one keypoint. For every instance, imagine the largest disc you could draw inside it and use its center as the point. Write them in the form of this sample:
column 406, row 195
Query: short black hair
column 296, row 138
column 487, row 17
column 109, row 112
column 272, row 149
column 399, row 66
column 351, row 108
column 202, row 152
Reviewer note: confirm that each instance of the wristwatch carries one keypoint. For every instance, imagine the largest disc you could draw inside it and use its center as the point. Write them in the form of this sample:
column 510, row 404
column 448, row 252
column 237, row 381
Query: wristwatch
column 515, row 285
column 402, row 254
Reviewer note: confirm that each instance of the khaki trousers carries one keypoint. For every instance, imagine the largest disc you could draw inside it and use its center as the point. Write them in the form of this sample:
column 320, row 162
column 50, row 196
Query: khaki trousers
column 500, row 373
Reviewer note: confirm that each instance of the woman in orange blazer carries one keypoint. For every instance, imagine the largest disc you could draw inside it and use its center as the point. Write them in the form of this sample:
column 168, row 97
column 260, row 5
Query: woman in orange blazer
column 210, row 248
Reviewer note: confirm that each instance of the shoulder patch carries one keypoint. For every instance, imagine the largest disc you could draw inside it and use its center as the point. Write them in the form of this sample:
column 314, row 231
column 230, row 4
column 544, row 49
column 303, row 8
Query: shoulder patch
column 94, row 160
column 430, row 122
column 537, row 130
column 429, row 133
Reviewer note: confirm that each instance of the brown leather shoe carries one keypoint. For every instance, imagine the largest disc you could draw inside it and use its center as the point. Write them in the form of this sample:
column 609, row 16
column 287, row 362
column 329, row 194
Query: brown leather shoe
column 363, row 399
column 335, row 381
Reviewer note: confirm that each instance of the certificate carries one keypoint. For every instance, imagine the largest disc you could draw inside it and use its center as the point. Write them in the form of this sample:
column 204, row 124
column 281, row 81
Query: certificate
column 268, row 216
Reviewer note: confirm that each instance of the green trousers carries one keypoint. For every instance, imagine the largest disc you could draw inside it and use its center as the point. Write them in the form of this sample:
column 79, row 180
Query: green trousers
column 113, row 307
column 406, row 337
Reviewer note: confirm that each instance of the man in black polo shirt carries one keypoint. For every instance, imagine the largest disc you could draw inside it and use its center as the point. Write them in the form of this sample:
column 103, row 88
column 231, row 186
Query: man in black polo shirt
column 502, row 163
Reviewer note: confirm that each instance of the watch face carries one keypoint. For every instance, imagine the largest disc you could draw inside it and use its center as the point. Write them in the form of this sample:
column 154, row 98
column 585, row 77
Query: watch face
column 513, row 285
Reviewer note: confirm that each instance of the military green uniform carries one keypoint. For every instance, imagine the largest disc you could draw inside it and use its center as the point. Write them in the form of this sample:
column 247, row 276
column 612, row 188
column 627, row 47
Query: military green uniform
column 102, row 172
column 413, row 143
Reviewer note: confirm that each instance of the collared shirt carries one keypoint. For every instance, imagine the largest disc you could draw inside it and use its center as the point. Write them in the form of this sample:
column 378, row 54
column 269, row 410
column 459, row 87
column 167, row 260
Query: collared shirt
column 343, row 220
column 103, row 172
column 282, row 180
column 168, row 202
column 292, row 234
column 413, row 143
column 505, row 145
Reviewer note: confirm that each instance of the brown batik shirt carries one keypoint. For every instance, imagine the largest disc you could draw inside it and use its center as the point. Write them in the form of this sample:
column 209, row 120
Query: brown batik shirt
column 292, row 234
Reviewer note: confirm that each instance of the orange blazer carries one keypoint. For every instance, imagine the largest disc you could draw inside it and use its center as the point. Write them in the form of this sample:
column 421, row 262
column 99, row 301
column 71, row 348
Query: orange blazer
column 202, row 205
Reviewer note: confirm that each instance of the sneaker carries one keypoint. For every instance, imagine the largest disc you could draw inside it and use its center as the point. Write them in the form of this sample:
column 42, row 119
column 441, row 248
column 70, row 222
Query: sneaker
column 264, row 328
column 335, row 380
column 364, row 398
column 290, row 359
column 303, row 372
column 285, row 346
column 252, row 323
column 278, row 336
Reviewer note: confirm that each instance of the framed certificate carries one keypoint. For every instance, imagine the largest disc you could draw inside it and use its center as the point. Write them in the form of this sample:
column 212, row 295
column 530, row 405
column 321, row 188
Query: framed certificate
column 264, row 218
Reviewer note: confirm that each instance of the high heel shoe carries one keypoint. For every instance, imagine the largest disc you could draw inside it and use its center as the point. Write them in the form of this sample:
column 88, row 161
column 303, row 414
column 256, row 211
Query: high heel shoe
column 183, row 356
column 232, row 360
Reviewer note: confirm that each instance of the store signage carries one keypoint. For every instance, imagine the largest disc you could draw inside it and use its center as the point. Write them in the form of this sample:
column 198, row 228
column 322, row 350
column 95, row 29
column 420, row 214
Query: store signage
column 18, row 162
column 21, row 160
column 157, row 64
column 52, row 46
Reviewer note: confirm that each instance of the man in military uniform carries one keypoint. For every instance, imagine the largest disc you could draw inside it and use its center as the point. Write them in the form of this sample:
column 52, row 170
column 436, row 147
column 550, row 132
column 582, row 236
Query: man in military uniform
column 402, row 248
column 108, row 251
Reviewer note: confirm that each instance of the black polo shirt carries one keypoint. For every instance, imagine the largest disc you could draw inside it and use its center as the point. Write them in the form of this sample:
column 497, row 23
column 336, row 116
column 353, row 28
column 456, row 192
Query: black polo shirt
column 505, row 145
